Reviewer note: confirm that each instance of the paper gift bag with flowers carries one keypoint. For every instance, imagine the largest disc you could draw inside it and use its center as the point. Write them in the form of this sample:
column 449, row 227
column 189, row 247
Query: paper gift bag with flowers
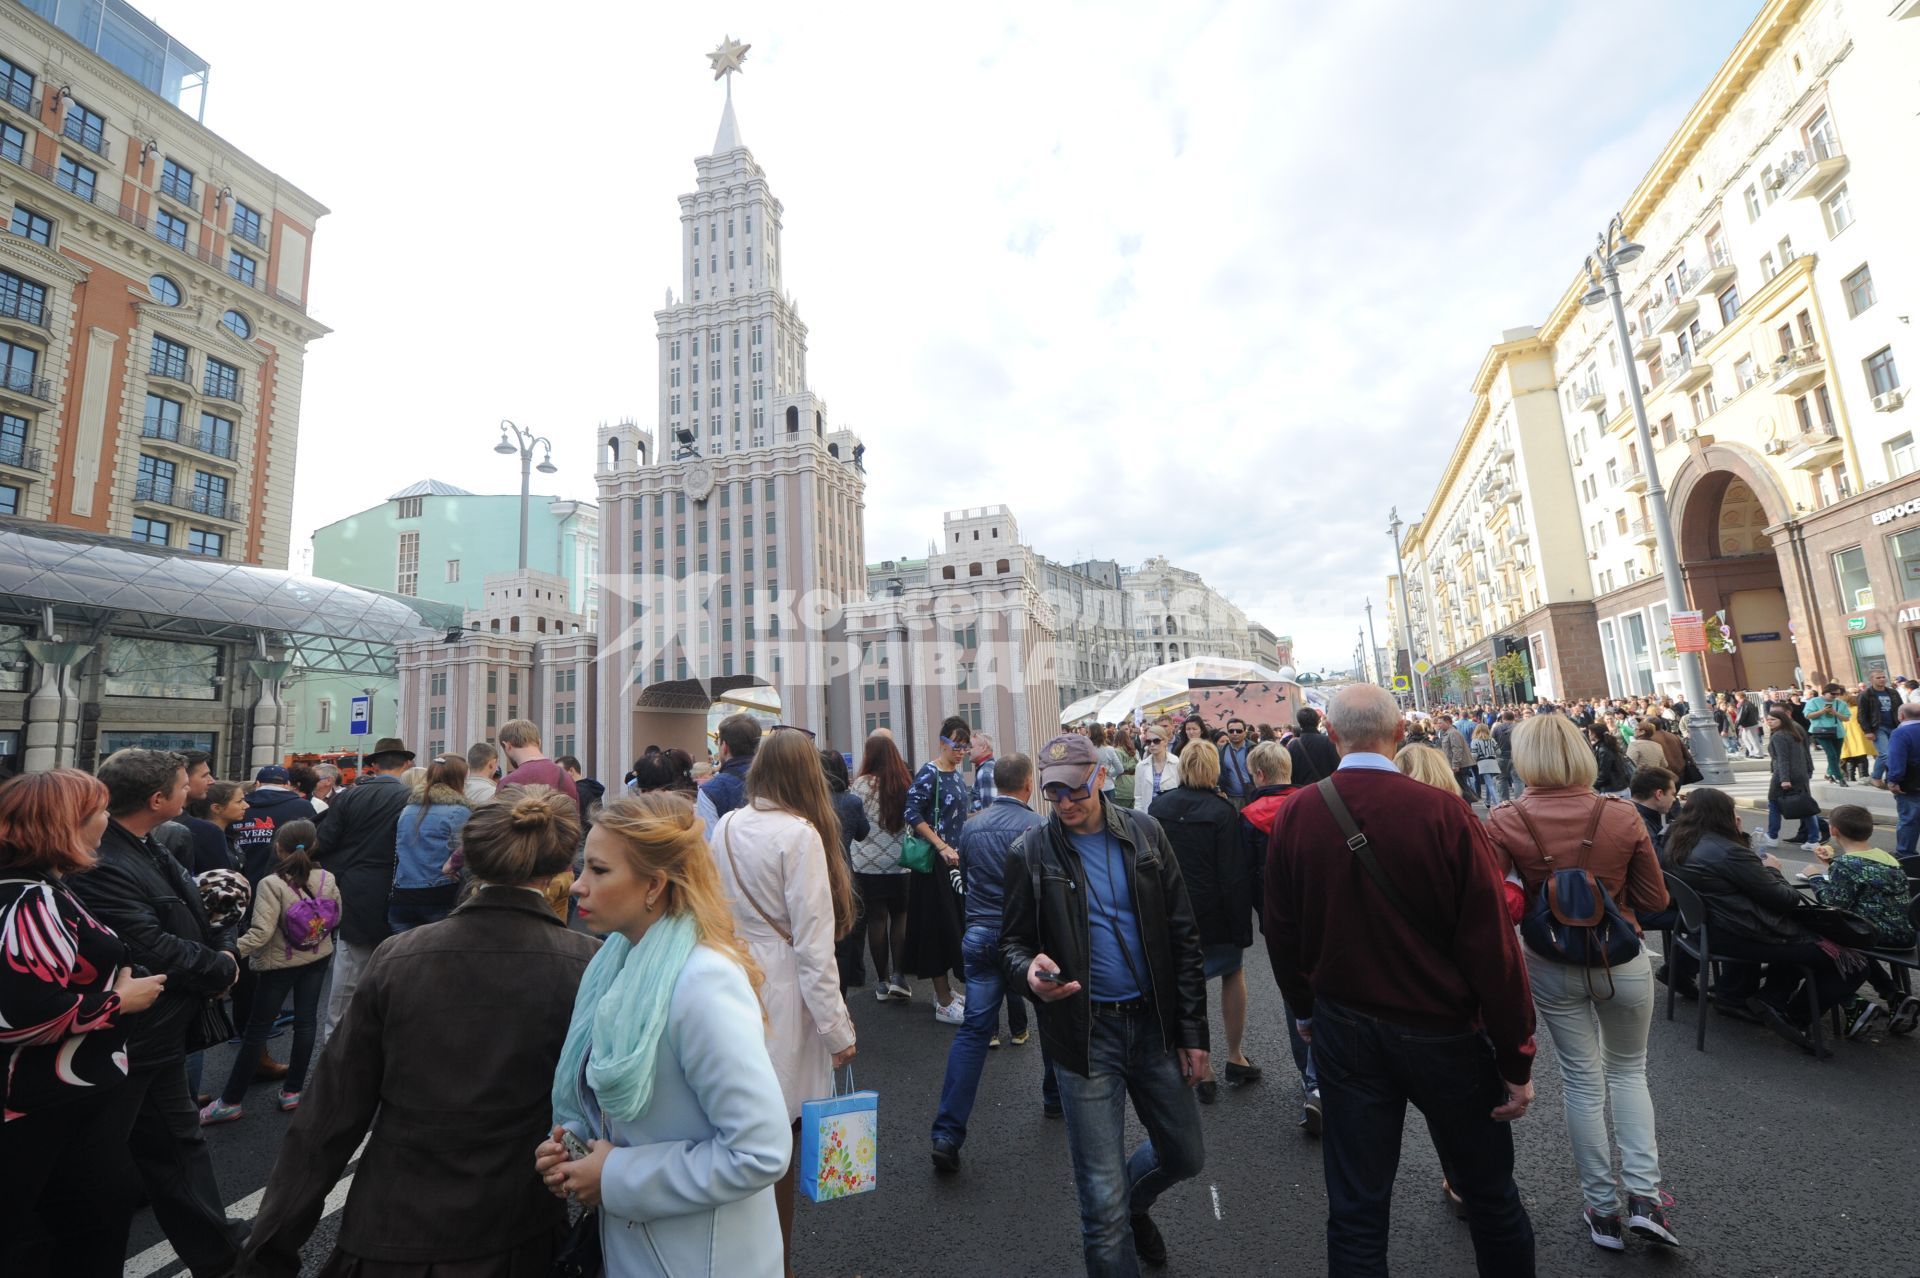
column 839, row 1139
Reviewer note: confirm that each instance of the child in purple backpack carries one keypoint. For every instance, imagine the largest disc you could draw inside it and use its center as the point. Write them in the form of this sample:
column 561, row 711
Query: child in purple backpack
column 289, row 944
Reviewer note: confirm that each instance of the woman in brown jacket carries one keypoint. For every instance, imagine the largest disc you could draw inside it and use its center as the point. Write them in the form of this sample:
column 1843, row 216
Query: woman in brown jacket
column 452, row 1036
column 1600, row 1039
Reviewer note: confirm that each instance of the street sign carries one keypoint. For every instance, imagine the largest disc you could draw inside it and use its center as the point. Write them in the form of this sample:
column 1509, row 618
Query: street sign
column 360, row 716
column 1690, row 632
column 1421, row 666
column 1856, row 623
column 1401, row 683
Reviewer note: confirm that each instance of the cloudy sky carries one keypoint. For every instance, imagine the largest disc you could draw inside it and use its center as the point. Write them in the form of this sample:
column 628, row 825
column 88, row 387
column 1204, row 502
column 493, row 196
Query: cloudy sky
column 1206, row 280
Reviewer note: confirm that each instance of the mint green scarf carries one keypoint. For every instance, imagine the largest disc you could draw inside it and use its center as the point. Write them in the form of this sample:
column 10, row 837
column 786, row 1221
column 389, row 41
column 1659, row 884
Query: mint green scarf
column 620, row 1014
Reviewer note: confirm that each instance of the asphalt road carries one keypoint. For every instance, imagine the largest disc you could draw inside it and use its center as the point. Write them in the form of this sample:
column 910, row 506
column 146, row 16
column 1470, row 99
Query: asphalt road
column 1781, row 1166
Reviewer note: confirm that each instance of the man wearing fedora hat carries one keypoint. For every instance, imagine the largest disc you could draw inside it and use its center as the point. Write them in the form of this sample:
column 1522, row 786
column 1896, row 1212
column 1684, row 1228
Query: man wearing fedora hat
column 356, row 847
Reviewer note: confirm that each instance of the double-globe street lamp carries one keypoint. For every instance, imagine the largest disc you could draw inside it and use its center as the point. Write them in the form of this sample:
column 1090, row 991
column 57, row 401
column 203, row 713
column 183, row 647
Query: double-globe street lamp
column 1613, row 251
column 524, row 444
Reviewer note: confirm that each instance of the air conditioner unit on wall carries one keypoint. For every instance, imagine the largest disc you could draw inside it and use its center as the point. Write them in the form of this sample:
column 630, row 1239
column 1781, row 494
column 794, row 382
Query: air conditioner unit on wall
column 1689, row 432
column 1776, row 446
column 1888, row 402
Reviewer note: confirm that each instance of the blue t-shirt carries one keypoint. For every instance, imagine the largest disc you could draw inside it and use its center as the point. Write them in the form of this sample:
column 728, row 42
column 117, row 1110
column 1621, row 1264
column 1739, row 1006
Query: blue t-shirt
column 1113, row 927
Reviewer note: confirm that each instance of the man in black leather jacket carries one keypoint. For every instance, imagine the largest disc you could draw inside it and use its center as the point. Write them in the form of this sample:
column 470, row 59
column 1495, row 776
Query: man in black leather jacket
column 1094, row 901
column 144, row 895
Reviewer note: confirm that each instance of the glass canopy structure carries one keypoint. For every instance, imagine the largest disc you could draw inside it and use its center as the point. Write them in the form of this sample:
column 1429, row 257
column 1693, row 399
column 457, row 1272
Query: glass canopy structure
column 136, row 45
column 95, row 582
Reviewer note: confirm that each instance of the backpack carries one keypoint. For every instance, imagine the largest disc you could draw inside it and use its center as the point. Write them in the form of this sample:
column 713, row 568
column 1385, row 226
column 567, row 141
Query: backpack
column 1570, row 916
column 311, row 919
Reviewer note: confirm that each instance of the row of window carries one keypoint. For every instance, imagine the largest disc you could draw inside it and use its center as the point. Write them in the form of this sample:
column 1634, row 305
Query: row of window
column 87, row 128
column 171, row 359
column 767, row 525
column 159, row 532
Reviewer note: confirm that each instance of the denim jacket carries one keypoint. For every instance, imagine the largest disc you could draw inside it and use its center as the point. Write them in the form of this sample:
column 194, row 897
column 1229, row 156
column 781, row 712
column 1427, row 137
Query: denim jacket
column 424, row 840
column 983, row 845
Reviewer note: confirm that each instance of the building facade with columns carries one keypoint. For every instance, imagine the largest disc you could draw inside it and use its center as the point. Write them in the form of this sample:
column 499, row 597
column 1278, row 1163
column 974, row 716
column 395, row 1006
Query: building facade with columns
column 974, row 636
column 1769, row 316
column 522, row 654
column 1177, row 615
column 732, row 529
column 153, row 295
column 1495, row 565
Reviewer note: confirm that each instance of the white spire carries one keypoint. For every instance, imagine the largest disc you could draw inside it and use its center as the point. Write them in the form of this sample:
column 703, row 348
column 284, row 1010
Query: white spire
column 728, row 139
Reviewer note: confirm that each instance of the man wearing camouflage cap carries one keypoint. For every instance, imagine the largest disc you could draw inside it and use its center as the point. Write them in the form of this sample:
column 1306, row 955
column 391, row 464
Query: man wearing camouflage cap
column 1098, row 929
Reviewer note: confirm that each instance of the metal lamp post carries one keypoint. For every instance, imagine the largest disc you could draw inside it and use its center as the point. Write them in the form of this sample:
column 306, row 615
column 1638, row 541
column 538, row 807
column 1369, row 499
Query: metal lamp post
column 524, row 443
column 1613, row 251
column 1394, row 525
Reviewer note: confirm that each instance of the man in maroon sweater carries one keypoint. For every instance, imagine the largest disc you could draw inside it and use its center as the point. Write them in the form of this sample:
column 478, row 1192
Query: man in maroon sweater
column 1428, row 1003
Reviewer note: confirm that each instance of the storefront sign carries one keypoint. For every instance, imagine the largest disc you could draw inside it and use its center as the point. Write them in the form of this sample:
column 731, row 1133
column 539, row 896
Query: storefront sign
column 1904, row 510
column 1908, row 616
column 1856, row 624
column 1761, row 636
column 1690, row 632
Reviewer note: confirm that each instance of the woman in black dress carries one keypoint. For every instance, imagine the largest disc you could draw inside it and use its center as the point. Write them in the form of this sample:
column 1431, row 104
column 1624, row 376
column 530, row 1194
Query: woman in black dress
column 937, row 805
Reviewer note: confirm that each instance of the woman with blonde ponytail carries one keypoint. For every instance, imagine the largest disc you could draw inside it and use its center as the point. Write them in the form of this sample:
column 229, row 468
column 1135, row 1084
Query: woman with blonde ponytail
column 665, row 1073
column 792, row 898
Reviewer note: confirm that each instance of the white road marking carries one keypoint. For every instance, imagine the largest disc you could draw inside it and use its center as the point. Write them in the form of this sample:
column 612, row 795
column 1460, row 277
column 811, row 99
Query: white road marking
column 1215, row 1191
column 161, row 1254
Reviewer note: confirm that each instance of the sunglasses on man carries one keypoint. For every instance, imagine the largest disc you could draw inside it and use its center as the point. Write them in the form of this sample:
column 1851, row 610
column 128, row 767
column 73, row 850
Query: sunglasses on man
column 1061, row 792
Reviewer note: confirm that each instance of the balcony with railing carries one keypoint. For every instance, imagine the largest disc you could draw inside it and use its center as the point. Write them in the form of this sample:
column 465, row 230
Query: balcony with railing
column 1647, row 345
column 1686, row 372
column 197, row 501
column 1675, row 311
column 1799, row 370
column 22, row 383
column 168, row 430
column 1815, row 450
column 250, row 232
column 18, row 96
column 18, row 308
column 221, row 385
column 140, row 222
column 1811, row 173
column 1589, row 397
column 16, row 456
column 170, row 366
column 176, row 188
column 1641, row 530
column 90, row 136
column 1716, row 274
column 1634, row 478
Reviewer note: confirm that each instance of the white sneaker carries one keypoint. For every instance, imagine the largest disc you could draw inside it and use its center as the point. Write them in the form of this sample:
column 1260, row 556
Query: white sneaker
column 899, row 993
column 1810, row 847
column 954, row 1013
column 881, row 992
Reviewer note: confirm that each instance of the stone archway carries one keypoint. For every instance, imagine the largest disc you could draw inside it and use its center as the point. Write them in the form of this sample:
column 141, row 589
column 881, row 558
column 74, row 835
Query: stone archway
column 1728, row 512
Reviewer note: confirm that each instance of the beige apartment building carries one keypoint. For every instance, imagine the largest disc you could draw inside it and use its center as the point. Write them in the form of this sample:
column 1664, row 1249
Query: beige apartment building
column 1769, row 315
column 153, row 294
column 972, row 635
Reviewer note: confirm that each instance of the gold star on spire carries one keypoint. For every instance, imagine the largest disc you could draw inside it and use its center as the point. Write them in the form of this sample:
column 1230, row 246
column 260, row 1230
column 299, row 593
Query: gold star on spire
column 727, row 58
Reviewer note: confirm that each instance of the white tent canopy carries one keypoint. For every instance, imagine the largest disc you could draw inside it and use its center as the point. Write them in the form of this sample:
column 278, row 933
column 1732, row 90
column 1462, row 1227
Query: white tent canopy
column 1082, row 710
column 1167, row 685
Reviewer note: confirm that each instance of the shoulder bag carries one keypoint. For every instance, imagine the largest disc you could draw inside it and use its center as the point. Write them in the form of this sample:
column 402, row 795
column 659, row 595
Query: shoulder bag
column 726, row 842
column 1357, row 843
column 916, row 853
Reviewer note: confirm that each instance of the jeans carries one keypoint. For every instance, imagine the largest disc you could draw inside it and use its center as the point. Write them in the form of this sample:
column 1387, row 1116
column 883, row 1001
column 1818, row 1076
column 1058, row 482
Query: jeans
column 1602, row 1046
column 1831, row 747
column 1907, row 834
column 1302, row 1055
column 986, row 986
column 269, row 994
column 1126, row 1057
column 1882, row 742
column 349, row 960
column 1809, row 826
column 1511, row 786
column 157, row 1119
column 1369, row 1071
column 404, row 918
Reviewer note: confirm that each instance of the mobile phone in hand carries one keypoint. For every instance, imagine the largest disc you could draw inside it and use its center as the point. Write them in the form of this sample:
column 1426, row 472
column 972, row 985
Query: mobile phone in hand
column 575, row 1147
column 1055, row 977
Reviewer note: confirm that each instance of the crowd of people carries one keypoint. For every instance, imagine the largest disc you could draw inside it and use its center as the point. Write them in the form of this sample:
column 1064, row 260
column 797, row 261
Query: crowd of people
column 562, row 1027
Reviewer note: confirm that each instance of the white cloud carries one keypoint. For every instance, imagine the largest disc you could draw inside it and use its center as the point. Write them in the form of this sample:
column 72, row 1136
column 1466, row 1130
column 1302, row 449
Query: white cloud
column 1207, row 281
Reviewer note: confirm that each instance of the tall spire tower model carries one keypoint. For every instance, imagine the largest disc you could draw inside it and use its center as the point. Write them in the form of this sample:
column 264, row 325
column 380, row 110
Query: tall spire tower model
column 742, row 501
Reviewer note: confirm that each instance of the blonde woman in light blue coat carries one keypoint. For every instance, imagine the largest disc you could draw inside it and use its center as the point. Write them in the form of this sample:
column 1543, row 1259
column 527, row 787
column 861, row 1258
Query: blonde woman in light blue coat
column 665, row 1074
